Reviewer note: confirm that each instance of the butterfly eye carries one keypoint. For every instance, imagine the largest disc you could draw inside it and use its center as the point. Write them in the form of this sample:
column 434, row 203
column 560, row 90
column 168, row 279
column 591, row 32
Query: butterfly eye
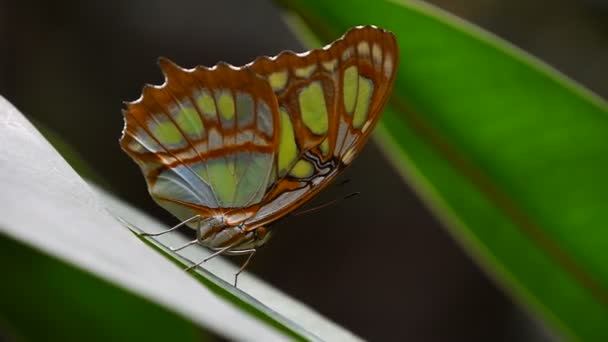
column 260, row 233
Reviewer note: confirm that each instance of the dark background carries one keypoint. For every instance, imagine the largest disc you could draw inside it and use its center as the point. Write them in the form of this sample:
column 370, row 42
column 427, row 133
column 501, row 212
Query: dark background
column 378, row 264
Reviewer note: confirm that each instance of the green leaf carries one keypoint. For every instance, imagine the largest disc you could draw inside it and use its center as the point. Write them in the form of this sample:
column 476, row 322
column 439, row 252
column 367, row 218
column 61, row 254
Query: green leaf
column 509, row 153
column 72, row 271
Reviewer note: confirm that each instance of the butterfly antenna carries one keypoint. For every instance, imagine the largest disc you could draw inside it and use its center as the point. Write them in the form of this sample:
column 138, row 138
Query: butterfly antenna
column 326, row 204
column 343, row 182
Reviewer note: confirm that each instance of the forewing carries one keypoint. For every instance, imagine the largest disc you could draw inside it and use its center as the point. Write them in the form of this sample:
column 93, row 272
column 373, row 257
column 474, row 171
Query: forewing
column 329, row 101
column 205, row 140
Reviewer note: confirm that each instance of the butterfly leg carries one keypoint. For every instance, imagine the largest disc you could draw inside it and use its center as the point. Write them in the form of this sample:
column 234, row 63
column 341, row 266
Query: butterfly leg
column 251, row 252
column 216, row 253
column 174, row 227
column 190, row 243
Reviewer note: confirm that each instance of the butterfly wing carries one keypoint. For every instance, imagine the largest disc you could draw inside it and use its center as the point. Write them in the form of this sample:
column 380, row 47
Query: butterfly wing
column 254, row 143
column 205, row 140
column 329, row 101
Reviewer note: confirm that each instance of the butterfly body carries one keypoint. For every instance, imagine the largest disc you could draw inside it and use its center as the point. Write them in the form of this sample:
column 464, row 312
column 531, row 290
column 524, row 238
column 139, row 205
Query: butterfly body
column 229, row 150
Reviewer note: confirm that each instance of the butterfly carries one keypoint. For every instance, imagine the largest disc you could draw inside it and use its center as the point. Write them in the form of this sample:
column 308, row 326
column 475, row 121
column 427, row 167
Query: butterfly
column 230, row 150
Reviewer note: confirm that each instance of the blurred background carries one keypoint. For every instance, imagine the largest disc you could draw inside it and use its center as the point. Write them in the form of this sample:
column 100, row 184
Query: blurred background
column 68, row 65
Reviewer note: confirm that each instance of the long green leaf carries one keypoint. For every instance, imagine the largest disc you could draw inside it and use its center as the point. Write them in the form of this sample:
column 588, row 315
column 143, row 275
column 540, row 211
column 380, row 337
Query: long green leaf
column 48, row 207
column 509, row 153
column 79, row 273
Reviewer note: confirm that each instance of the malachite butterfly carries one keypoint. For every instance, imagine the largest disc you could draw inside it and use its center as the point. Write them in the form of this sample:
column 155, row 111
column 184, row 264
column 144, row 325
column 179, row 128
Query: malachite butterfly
column 229, row 150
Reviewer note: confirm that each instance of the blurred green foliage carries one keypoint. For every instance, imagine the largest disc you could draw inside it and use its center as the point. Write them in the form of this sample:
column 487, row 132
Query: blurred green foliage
column 508, row 152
